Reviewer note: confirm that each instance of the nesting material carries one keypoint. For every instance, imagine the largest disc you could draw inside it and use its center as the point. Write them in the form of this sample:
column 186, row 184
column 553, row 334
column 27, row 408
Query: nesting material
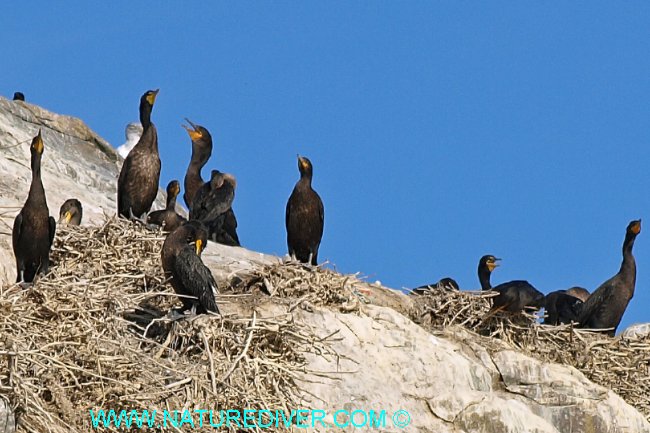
column 621, row 364
column 94, row 333
column 304, row 285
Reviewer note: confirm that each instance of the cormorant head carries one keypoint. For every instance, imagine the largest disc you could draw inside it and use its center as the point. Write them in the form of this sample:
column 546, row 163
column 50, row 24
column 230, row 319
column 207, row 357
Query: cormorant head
column 448, row 284
column 578, row 292
column 197, row 132
column 217, row 179
column 488, row 262
column 18, row 96
column 536, row 299
column 634, row 227
column 69, row 209
column 305, row 167
column 37, row 144
column 196, row 235
column 149, row 97
column 173, row 188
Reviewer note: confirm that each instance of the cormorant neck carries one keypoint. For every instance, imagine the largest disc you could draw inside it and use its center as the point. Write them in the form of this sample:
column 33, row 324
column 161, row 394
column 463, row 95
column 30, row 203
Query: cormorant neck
column 145, row 115
column 628, row 267
column 171, row 202
column 305, row 178
column 36, row 166
column 197, row 162
column 484, row 278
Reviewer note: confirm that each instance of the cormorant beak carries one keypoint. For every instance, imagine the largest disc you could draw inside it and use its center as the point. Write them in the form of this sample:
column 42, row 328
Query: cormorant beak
column 636, row 228
column 194, row 131
column 67, row 217
column 151, row 97
column 303, row 163
column 198, row 245
column 37, row 143
column 493, row 265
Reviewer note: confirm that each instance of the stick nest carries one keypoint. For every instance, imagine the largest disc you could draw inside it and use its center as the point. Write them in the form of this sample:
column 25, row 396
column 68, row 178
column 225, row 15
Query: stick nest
column 621, row 364
column 305, row 286
column 94, row 334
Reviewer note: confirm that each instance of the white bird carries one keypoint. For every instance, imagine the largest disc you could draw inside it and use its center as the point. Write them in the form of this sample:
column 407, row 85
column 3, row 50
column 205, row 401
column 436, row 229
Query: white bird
column 132, row 133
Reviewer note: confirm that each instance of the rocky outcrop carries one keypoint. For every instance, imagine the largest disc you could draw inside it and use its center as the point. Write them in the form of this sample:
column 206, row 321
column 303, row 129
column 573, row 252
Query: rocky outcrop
column 77, row 163
column 450, row 381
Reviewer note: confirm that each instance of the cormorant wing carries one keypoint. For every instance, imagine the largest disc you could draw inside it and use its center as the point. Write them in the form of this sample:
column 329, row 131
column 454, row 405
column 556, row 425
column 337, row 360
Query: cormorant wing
column 287, row 213
column 196, row 278
column 52, row 229
column 17, row 230
column 216, row 202
column 596, row 302
column 321, row 210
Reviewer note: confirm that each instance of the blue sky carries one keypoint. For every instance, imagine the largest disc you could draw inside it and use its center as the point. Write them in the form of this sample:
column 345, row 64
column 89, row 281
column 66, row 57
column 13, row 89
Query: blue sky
column 439, row 131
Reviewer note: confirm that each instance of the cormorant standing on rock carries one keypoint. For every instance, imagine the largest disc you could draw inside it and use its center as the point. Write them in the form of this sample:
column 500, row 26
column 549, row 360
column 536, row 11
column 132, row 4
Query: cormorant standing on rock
column 305, row 217
column 223, row 230
column 18, row 96
column 189, row 276
column 71, row 212
column 606, row 306
column 137, row 185
column 168, row 218
column 33, row 231
column 132, row 133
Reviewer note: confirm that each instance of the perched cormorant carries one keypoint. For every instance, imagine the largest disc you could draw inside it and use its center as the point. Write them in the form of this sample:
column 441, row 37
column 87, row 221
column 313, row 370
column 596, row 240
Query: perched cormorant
column 564, row 306
column 304, row 217
column 211, row 205
column 132, row 133
column 182, row 262
column 201, row 152
column 224, row 229
column 445, row 284
column 137, row 185
column 513, row 296
column 18, row 96
column 605, row 307
column 168, row 218
column 34, row 228
column 71, row 212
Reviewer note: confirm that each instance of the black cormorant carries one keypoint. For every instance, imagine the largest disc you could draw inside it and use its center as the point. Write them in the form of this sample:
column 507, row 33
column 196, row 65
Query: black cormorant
column 564, row 306
column 513, row 296
column 71, row 212
column 224, row 229
column 33, row 231
column 211, row 205
column 201, row 152
column 168, row 218
column 181, row 260
column 19, row 96
column 305, row 217
column 137, row 185
column 605, row 307
column 445, row 284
